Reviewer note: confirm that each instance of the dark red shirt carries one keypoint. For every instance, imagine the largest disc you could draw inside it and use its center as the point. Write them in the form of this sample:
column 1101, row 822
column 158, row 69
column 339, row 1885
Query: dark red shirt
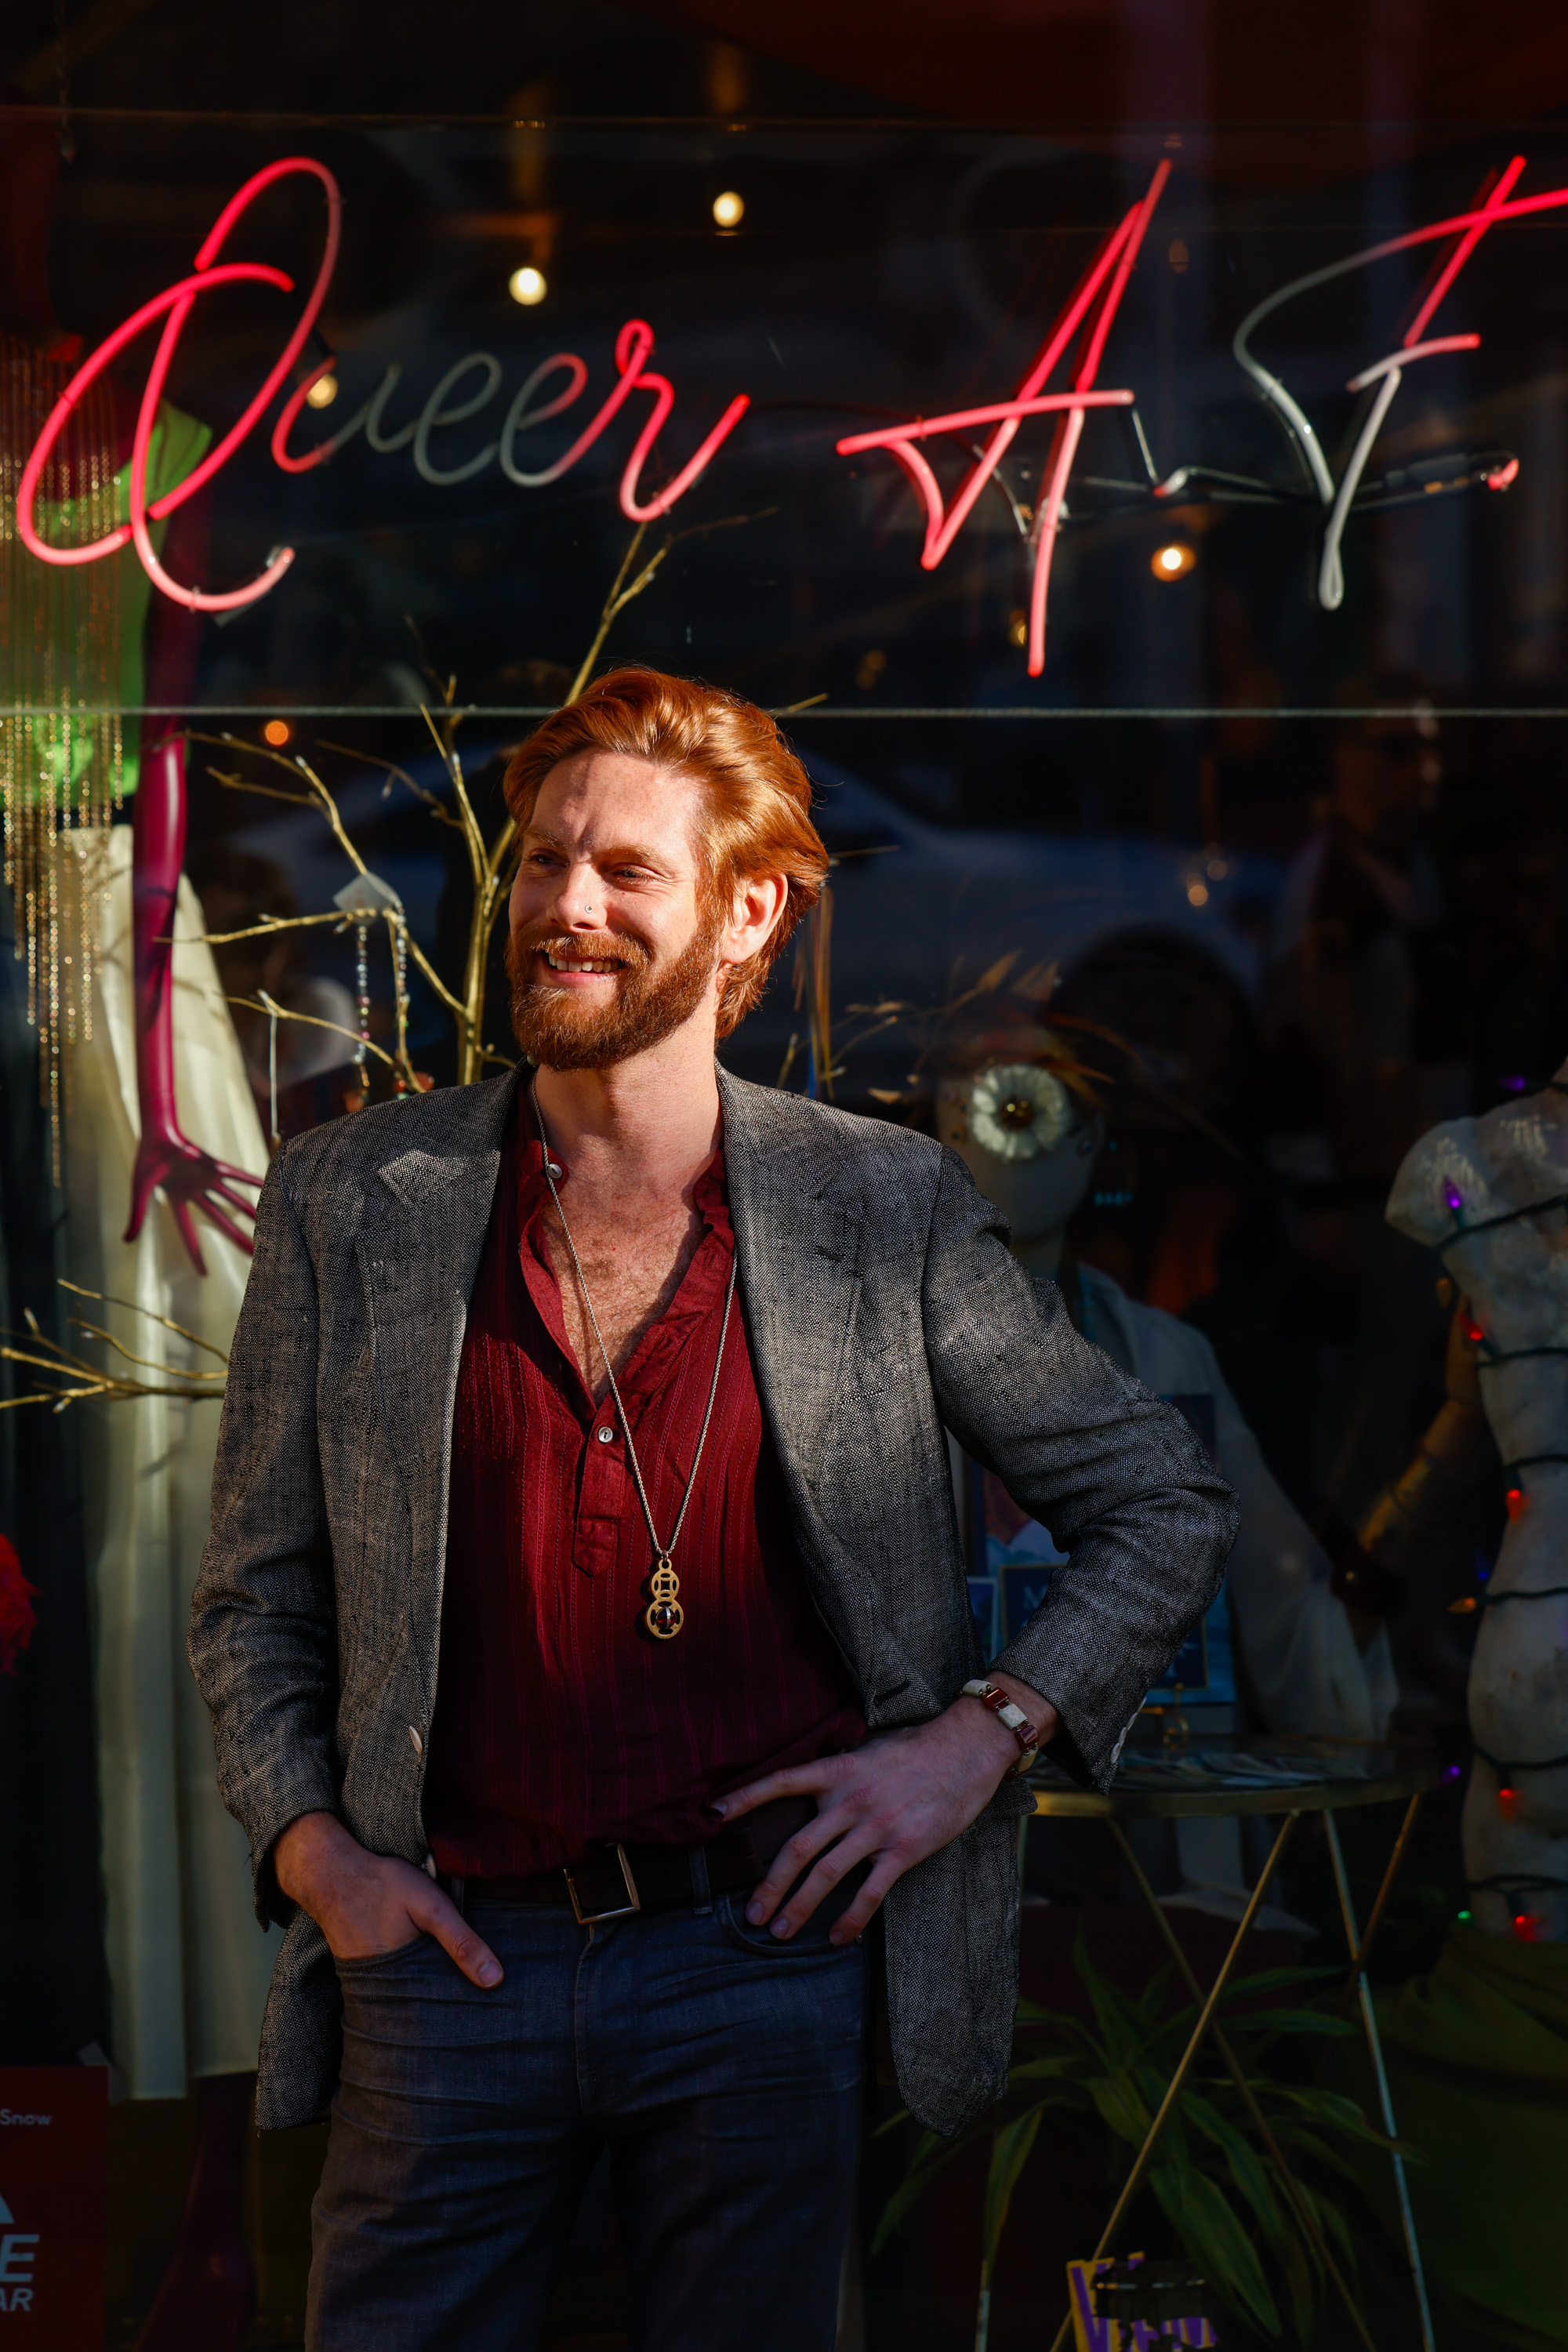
column 560, row 1722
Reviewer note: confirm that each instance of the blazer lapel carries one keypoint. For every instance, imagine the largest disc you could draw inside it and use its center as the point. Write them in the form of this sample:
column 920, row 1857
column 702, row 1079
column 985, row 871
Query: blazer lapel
column 425, row 1219
column 799, row 1254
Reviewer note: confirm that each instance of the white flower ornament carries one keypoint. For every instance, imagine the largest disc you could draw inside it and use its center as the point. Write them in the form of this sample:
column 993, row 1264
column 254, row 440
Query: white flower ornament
column 1018, row 1110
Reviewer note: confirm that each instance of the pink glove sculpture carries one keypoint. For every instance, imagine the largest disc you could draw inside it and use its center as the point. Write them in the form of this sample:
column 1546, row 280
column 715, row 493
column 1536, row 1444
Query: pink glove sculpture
column 190, row 1177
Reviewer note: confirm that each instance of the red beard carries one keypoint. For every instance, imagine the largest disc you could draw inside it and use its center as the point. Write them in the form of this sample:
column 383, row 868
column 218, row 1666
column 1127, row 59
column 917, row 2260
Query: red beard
column 651, row 1000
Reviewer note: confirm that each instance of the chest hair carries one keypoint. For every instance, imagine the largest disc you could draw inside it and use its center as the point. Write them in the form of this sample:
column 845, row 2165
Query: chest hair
column 633, row 1265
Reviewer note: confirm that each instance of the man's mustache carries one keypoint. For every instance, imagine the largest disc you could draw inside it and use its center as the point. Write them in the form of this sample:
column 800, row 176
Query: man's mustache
column 608, row 947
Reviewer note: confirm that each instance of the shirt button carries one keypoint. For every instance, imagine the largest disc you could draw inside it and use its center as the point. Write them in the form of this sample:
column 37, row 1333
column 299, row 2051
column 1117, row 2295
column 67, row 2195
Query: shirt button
column 604, row 1434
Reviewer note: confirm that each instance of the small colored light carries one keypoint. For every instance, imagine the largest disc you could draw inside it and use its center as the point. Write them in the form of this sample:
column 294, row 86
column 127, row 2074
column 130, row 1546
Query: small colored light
column 728, row 209
column 1474, row 1334
column 322, row 392
column 527, row 286
column 1504, row 474
column 276, row 732
column 1453, row 1196
column 1526, row 1926
column 1516, row 1499
column 1464, row 1607
column 1514, row 1085
column 1453, row 1773
column 1464, row 1914
column 1198, row 894
column 1508, row 1802
column 1170, row 562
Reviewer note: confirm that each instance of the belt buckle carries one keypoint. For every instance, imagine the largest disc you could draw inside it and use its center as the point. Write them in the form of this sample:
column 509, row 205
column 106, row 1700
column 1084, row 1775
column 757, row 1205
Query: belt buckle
column 592, row 1918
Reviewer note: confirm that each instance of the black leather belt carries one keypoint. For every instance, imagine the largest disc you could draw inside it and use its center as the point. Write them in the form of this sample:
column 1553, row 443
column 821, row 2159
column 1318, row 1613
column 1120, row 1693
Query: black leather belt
column 614, row 1881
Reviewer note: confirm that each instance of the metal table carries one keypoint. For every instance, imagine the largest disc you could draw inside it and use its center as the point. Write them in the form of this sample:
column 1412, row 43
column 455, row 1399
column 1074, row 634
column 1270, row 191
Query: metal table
column 1167, row 1784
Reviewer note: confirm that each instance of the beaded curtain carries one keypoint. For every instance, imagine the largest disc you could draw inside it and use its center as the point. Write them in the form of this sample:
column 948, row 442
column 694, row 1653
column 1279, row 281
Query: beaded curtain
column 62, row 743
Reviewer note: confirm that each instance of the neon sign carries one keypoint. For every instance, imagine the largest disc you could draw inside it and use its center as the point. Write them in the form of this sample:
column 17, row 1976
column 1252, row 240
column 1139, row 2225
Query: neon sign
column 1467, row 229
column 634, row 349
column 468, row 388
column 1117, row 255
column 177, row 301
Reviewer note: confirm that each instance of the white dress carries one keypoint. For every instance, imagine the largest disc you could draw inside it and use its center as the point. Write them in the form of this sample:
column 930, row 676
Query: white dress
column 188, row 1966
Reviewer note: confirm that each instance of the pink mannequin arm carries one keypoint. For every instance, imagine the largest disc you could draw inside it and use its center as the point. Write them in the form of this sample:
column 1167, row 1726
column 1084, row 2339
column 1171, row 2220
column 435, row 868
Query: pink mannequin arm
column 190, row 1178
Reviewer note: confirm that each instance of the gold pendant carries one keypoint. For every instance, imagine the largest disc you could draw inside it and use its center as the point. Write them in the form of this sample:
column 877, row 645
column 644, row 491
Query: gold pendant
column 664, row 1615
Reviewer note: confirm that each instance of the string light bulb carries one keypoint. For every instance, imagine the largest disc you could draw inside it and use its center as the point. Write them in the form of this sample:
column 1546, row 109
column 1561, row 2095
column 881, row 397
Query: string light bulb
column 276, row 732
column 322, row 392
column 527, row 286
column 729, row 209
column 1173, row 560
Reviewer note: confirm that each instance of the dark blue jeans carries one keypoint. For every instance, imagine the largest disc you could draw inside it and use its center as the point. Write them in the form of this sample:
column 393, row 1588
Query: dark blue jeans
column 722, row 2070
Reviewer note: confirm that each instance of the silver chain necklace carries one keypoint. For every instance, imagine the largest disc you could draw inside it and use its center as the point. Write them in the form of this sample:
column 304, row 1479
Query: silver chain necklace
column 664, row 1615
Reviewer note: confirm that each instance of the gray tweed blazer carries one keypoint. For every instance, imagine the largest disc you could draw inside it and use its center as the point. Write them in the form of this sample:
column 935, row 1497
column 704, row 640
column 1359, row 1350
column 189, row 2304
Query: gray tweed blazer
column 882, row 1307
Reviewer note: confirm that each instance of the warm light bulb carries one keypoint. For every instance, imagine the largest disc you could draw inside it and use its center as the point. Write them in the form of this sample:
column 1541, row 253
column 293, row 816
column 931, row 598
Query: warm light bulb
column 527, row 286
column 728, row 209
column 323, row 391
column 1168, row 562
column 276, row 732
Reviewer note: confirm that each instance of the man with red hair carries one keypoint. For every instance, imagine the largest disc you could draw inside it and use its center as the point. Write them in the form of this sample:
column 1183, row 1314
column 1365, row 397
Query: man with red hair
column 584, row 1620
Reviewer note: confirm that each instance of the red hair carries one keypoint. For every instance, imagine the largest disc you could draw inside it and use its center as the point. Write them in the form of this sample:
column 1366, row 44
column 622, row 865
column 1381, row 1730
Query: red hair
column 755, row 796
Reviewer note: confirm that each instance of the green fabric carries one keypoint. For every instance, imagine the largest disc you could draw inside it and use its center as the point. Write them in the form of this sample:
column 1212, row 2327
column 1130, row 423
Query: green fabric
column 1478, row 2064
column 76, row 638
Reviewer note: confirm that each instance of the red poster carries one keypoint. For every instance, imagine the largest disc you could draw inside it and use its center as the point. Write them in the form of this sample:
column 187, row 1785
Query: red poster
column 52, row 2131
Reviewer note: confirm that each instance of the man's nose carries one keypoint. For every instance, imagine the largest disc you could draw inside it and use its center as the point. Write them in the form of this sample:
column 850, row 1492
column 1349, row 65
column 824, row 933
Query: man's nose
column 581, row 897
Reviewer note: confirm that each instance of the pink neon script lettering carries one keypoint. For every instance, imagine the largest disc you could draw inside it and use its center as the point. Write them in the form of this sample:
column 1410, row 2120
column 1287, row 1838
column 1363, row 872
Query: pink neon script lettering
column 1105, row 282
column 178, row 302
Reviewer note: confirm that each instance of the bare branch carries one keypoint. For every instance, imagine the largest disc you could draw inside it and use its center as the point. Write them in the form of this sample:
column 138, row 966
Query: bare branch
column 270, row 923
column 148, row 1363
column 168, row 1323
column 277, row 1011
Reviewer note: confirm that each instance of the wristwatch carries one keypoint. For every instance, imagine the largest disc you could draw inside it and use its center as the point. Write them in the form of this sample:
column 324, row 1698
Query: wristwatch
column 1006, row 1711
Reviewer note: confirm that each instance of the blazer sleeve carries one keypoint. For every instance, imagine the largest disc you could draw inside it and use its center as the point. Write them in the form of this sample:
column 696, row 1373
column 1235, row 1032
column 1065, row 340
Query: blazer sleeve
column 1117, row 1477
column 263, row 1641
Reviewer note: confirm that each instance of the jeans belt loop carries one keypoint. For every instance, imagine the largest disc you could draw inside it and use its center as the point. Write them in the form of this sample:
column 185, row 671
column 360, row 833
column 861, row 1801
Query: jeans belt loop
column 703, row 1893
column 621, row 1911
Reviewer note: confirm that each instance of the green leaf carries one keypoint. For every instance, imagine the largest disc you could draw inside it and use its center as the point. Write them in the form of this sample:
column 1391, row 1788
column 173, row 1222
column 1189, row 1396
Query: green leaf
column 1299, row 2021
column 1333, row 2107
column 1035, row 2070
column 1197, row 2208
column 1332, row 2223
column 1114, row 2014
column 1300, row 2268
column 1245, row 2166
column 1009, row 2153
column 1117, row 2099
column 1270, row 1980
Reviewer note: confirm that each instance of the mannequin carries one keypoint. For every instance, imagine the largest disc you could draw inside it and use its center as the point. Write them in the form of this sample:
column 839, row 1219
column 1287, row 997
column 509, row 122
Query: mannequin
column 179, row 1931
column 1487, row 1194
column 1032, row 1147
